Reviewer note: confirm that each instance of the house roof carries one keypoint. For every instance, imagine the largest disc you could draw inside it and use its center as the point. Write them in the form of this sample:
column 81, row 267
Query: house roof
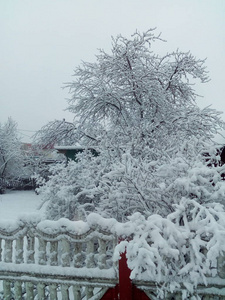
column 68, row 147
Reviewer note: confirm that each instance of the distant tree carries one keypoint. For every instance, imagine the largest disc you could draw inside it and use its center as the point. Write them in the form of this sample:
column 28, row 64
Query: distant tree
column 11, row 158
column 139, row 110
column 55, row 132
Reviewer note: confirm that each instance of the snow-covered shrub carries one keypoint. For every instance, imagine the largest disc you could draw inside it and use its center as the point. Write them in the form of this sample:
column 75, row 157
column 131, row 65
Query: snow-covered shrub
column 130, row 184
column 67, row 189
column 117, row 185
column 179, row 251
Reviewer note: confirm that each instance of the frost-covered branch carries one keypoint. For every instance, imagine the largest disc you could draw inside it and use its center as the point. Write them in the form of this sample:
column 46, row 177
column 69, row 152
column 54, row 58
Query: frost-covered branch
column 60, row 133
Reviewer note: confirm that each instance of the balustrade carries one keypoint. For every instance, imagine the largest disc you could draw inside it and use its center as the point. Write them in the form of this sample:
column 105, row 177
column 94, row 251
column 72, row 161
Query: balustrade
column 45, row 261
column 38, row 260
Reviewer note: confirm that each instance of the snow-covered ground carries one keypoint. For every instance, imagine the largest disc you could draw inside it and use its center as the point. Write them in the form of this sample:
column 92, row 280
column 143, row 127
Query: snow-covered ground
column 14, row 204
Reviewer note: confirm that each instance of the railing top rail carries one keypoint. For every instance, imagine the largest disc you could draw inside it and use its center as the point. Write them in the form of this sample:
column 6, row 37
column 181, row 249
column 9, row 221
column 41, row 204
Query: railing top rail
column 76, row 231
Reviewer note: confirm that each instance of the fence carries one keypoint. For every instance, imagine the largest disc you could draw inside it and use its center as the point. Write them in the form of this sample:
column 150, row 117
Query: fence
column 37, row 260
column 71, row 260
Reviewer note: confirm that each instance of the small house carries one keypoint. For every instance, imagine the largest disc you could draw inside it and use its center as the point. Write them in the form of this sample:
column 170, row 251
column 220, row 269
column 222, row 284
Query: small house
column 71, row 151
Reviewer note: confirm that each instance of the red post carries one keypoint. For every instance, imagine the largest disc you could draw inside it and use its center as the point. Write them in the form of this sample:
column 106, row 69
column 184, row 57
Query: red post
column 125, row 283
column 125, row 290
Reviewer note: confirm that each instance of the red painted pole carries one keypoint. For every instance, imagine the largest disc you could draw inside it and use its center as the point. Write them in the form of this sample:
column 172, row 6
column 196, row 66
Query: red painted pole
column 125, row 290
column 125, row 284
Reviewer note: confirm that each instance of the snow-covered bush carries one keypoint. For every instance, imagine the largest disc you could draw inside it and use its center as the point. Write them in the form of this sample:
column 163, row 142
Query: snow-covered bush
column 119, row 185
column 180, row 251
column 66, row 188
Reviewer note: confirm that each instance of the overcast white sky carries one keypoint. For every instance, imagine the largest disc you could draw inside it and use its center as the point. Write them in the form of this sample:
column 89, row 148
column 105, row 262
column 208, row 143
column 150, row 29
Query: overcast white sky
column 42, row 41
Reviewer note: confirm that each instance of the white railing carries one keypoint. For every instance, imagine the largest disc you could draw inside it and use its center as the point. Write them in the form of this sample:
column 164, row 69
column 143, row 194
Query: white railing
column 70, row 260
column 38, row 257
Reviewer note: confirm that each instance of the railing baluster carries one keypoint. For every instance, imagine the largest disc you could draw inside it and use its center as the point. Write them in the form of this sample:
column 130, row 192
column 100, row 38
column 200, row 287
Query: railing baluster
column 7, row 290
column 90, row 254
column 77, row 255
column 19, row 250
column 53, row 253
column 42, row 259
column 77, row 292
column 65, row 292
column 41, row 291
column 30, row 249
column 115, row 243
column 89, row 290
column 8, row 251
column 29, row 291
column 53, row 292
column 102, row 254
column 18, row 290
column 65, row 253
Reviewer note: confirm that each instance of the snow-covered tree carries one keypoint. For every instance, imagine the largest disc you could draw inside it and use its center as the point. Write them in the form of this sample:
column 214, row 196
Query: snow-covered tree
column 138, row 109
column 11, row 157
column 135, row 97
column 140, row 98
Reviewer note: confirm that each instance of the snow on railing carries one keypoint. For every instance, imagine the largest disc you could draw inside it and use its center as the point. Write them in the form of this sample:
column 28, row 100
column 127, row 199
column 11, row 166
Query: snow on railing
column 74, row 259
column 35, row 254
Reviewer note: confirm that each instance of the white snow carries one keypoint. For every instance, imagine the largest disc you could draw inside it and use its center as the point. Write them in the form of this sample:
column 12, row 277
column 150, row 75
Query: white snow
column 16, row 204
